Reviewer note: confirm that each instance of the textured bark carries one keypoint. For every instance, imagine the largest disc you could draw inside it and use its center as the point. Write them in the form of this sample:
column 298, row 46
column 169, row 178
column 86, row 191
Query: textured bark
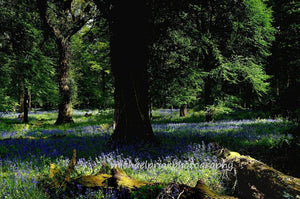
column 24, row 98
column 255, row 179
column 129, row 57
column 21, row 107
column 63, row 27
column 183, row 110
column 65, row 106
column 29, row 101
column 22, row 95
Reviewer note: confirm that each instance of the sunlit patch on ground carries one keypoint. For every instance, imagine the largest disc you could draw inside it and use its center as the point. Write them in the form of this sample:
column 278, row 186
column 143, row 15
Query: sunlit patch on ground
column 184, row 156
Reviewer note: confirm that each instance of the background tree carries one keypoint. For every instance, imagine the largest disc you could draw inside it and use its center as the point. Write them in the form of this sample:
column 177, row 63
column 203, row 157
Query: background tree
column 27, row 71
column 234, row 45
column 284, row 64
column 175, row 81
column 65, row 18
column 215, row 48
column 130, row 36
column 91, row 65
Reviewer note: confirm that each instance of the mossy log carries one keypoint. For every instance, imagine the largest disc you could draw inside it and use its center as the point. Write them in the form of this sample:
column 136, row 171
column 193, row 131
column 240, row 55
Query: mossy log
column 116, row 178
column 254, row 179
column 199, row 191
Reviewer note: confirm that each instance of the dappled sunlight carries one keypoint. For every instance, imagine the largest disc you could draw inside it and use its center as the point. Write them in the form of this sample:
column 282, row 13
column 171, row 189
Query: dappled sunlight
column 185, row 153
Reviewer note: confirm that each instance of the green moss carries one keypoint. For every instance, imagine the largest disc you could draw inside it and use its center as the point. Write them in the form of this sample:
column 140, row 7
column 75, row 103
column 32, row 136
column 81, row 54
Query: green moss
column 147, row 192
column 93, row 180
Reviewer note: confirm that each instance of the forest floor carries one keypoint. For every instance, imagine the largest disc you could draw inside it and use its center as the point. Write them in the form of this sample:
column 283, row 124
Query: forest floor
column 185, row 155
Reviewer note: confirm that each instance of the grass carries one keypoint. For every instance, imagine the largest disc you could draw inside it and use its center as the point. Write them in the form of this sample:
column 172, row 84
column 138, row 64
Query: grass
column 184, row 156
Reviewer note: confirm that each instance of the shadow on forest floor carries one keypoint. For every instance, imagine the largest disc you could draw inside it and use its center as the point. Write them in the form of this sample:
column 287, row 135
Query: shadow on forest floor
column 264, row 141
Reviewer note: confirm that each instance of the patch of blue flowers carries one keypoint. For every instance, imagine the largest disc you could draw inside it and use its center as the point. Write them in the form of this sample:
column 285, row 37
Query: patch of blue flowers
column 184, row 151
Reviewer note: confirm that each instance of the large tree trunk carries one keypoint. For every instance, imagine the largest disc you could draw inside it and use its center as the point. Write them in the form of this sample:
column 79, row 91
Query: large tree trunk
column 65, row 107
column 129, row 57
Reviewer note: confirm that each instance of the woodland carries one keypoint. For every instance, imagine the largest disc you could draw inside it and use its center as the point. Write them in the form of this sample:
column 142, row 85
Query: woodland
column 149, row 99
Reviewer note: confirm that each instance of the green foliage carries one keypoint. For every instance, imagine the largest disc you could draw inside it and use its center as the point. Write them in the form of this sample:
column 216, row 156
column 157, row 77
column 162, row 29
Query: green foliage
column 91, row 66
column 24, row 63
column 239, row 71
column 147, row 192
column 239, row 63
column 260, row 138
column 45, row 120
column 284, row 64
column 210, row 50
column 174, row 80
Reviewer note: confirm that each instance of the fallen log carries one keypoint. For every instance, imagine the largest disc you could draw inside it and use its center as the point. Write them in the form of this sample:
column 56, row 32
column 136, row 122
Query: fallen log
column 200, row 191
column 117, row 179
column 254, row 179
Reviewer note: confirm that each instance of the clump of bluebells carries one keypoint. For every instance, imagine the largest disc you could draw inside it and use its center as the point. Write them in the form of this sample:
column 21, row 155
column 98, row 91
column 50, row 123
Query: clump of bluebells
column 184, row 155
column 232, row 134
column 19, row 180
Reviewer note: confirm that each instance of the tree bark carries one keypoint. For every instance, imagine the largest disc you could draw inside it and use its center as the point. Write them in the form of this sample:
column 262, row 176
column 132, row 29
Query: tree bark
column 183, row 110
column 22, row 86
column 129, row 41
column 65, row 106
column 66, row 23
column 256, row 180
column 29, row 101
column 21, row 108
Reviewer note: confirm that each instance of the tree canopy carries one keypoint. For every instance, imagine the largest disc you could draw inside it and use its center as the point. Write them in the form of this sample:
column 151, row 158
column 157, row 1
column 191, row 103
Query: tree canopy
column 241, row 54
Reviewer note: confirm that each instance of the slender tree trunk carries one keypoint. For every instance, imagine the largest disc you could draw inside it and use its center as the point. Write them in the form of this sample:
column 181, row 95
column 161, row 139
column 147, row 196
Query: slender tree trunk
column 65, row 106
column 183, row 110
column 21, row 108
column 129, row 57
column 26, row 103
column 29, row 101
